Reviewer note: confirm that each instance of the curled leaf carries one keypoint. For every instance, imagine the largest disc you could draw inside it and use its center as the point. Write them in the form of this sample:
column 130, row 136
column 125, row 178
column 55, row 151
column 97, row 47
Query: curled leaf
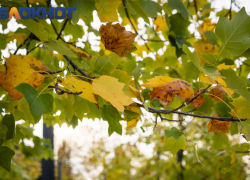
column 217, row 93
column 166, row 93
column 115, row 38
column 198, row 101
column 206, row 26
column 216, row 126
column 80, row 52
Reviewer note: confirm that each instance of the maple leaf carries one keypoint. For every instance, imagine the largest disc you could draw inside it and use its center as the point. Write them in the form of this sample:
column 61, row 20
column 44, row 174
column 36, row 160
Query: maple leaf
column 115, row 38
column 75, row 85
column 198, row 101
column 206, row 26
column 217, row 91
column 111, row 90
column 165, row 93
column 205, row 48
column 160, row 24
column 216, row 126
column 19, row 70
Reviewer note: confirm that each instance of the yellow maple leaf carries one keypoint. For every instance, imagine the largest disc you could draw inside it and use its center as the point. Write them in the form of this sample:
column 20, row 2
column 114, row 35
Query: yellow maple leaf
column 76, row 85
column 157, row 81
column 132, row 123
column 205, row 48
column 36, row 64
column 111, row 90
column 219, row 80
column 206, row 26
column 224, row 66
column 20, row 37
column 19, row 71
column 160, row 24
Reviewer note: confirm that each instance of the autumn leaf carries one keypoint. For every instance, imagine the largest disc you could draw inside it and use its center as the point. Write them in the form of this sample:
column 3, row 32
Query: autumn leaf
column 80, row 52
column 157, row 81
column 198, row 101
column 36, row 64
column 160, row 24
column 216, row 126
column 206, row 26
column 115, row 38
column 218, row 81
column 132, row 108
column 165, row 93
column 75, row 85
column 217, row 93
column 2, row 69
column 19, row 70
column 20, row 38
column 111, row 90
column 205, row 48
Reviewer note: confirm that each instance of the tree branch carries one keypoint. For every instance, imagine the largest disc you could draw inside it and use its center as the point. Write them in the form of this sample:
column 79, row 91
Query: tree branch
column 60, row 91
column 76, row 67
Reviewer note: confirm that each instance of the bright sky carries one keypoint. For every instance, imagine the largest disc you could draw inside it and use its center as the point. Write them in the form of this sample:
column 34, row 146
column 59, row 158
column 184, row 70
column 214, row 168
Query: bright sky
column 89, row 130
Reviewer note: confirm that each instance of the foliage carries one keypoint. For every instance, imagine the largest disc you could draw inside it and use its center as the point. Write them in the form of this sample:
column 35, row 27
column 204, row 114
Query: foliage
column 169, row 72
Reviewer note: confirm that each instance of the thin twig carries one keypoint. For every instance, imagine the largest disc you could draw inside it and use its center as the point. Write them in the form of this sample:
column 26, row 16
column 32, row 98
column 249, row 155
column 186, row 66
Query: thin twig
column 21, row 44
column 51, row 72
column 64, row 25
column 195, row 6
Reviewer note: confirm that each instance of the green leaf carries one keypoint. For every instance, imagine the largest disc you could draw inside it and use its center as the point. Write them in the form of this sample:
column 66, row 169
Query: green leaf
column 236, row 83
column 151, row 7
column 39, row 103
column 177, row 4
column 5, row 157
column 174, row 132
column 122, row 76
column 234, row 34
column 107, row 10
column 113, row 117
column 9, row 121
column 3, row 131
column 194, row 57
column 209, row 58
column 35, row 28
column 138, row 9
column 129, row 115
column 179, row 25
column 80, row 107
column 212, row 38
column 219, row 141
column 106, row 64
column 60, row 48
column 83, row 7
column 173, row 145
